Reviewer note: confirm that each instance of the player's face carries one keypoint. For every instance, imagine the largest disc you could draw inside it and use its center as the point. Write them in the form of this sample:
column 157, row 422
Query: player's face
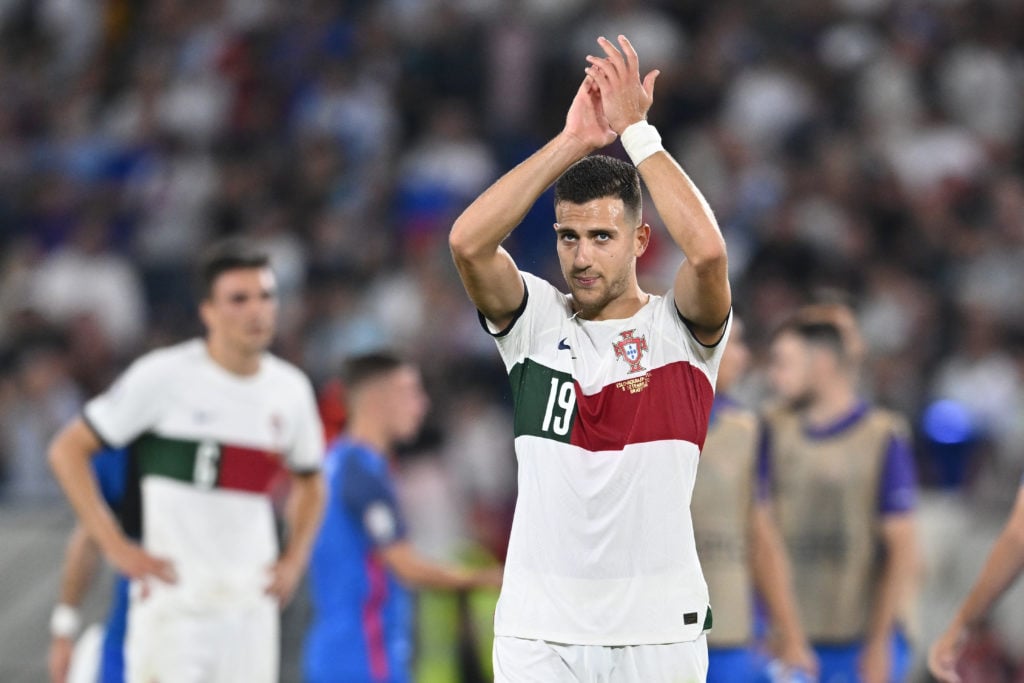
column 789, row 368
column 241, row 311
column 735, row 358
column 407, row 402
column 598, row 244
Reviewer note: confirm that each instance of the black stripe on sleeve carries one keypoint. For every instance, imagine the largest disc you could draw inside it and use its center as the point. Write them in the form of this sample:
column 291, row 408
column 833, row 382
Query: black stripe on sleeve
column 104, row 441
column 515, row 316
column 690, row 326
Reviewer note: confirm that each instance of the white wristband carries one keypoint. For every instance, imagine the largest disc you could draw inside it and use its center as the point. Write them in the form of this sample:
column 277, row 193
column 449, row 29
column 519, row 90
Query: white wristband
column 65, row 621
column 640, row 141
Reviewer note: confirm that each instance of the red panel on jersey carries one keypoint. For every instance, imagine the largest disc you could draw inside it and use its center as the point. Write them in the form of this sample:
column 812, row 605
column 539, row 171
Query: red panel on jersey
column 670, row 402
column 248, row 469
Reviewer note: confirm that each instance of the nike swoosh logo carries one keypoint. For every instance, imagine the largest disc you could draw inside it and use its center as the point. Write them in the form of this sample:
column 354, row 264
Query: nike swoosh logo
column 562, row 346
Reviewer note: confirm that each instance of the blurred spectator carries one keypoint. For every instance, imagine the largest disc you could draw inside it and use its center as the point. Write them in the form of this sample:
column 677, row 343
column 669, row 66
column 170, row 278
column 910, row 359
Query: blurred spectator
column 441, row 173
column 873, row 146
column 40, row 399
column 85, row 278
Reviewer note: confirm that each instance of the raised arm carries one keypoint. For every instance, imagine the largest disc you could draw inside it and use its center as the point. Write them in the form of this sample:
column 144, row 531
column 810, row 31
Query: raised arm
column 487, row 270
column 701, row 287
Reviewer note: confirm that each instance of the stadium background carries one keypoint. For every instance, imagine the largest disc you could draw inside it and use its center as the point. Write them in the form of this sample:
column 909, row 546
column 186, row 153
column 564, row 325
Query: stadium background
column 871, row 150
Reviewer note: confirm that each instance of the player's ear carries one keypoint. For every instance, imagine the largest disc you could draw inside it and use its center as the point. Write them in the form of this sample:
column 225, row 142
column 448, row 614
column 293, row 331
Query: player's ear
column 641, row 238
column 206, row 313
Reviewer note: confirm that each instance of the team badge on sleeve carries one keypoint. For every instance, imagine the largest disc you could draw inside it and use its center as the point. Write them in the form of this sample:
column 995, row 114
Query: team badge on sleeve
column 631, row 349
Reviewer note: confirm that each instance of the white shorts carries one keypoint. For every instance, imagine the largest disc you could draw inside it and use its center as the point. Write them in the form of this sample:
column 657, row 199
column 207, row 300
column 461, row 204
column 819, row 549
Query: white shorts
column 169, row 644
column 518, row 660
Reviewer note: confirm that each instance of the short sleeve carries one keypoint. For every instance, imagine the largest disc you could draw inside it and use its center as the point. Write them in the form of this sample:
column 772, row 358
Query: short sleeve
column 542, row 304
column 898, row 486
column 367, row 497
column 710, row 353
column 306, row 454
column 131, row 405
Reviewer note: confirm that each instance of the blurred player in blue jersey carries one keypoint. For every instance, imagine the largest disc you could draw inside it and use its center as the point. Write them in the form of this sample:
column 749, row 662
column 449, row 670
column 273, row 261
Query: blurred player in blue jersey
column 80, row 560
column 844, row 493
column 737, row 541
column 363, row 563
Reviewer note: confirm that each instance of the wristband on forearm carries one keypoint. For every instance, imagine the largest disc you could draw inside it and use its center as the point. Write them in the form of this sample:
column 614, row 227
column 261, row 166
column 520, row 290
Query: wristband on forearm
column 64, row 621
column 641, row 140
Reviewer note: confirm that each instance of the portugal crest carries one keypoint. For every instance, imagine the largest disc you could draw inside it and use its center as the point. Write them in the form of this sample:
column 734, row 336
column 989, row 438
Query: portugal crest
column 631, row 349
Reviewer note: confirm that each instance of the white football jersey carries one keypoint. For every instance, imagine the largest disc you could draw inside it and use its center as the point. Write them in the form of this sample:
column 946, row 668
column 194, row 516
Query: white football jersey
column 205, row 449
column 610, row 416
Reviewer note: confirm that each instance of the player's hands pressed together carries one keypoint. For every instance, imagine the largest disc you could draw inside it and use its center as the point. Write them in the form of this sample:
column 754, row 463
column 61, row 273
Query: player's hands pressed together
column 624, row 98
column 586, row 121
column 943, row 655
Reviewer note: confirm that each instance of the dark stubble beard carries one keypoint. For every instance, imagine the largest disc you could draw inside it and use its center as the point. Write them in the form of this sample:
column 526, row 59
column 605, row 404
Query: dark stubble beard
column 615, row 289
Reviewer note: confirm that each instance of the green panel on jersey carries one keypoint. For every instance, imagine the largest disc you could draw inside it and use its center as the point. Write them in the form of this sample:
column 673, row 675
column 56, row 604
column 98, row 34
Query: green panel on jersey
column 166, row 457
column 545, row 401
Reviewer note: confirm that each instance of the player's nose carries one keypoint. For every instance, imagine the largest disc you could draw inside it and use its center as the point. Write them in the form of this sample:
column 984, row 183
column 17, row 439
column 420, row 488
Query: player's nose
column 582, row 257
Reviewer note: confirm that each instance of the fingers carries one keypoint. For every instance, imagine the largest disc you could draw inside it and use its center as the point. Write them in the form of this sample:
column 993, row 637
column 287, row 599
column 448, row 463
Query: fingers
column 599, row 70
column 59, row 659
column 585, row 87
column 598, row 78
column 615, row 59
column 632, row 60
column 614, row 65
column 649, row 80
column 164, row 571
column 283, row 581
column 943, row 666
column 150, row 566
column 281, row 590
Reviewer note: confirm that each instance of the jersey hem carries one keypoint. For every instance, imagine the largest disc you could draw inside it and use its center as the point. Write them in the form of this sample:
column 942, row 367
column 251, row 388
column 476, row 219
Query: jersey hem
column 568, row 639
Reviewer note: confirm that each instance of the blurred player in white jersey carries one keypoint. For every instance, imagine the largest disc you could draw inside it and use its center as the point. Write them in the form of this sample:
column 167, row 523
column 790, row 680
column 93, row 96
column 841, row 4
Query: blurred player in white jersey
column 612, row 387
column 210, row 426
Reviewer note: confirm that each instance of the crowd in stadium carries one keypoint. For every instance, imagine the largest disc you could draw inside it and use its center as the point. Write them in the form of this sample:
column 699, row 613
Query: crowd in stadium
column 863, row 151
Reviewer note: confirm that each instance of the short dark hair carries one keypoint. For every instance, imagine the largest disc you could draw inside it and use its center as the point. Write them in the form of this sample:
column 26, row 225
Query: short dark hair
column 599, row 176
column 229, row 254
column 818, row 333
column 358, row 370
